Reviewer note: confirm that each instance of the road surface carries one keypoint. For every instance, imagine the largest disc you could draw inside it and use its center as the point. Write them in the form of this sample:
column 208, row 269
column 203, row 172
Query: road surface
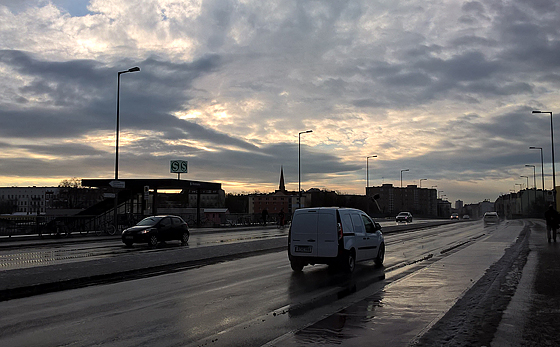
column 258, row 300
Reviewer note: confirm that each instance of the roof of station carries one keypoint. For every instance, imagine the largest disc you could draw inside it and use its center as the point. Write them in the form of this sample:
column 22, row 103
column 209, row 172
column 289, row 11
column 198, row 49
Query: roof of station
column 153, row 183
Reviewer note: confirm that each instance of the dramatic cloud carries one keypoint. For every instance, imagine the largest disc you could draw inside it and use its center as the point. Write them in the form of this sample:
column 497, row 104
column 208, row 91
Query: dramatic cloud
column 443, row 88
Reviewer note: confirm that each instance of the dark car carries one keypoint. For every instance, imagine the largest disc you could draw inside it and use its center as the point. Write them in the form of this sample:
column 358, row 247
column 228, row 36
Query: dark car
column 152, row 230
column 404, row 217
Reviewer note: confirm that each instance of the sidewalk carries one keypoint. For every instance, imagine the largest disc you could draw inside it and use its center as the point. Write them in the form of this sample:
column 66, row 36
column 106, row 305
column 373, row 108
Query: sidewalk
column 533, row 316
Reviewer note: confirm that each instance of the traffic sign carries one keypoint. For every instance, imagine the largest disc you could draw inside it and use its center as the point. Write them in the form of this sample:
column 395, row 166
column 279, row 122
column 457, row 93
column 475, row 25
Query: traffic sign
column 179, row 166
column 117, row 184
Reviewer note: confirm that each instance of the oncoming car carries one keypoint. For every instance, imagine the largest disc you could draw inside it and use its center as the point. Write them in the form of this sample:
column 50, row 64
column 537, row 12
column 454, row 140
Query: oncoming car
column 152, row 230
column 455, row 216
column 334, row 236
column 491, row 218
column 404, row 217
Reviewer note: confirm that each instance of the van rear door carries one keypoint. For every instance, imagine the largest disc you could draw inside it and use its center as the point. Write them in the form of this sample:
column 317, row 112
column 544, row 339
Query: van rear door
column 303, row 233
column 327, row 235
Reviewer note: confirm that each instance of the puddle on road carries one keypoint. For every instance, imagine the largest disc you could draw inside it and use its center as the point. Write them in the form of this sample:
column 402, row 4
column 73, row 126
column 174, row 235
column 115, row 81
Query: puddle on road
column 342, row 326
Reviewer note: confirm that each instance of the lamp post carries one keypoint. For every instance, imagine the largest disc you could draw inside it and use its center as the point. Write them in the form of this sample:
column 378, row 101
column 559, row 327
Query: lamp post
column 116, row 203
column 422, row 179
column 401, row 174
column 534, row 175
column 527, row 177
column 299, row 164
column 534, row 180
column 132, row 69
column 553, row 162
column 367, row 170
column 542, row 171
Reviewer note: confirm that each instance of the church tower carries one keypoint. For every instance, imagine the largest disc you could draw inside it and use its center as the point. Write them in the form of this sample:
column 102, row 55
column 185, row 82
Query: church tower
column 282, row 186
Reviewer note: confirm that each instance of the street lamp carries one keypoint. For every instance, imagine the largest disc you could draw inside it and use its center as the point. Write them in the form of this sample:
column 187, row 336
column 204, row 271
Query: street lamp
column 422, row 179
column 534, row 180
column 367, row 170
column 299, row 163
column 527, row 177
column 401, row 174
column 534, row 174
column 116, row 203
column 542, row 170
column 132, row 69
column 553, row 162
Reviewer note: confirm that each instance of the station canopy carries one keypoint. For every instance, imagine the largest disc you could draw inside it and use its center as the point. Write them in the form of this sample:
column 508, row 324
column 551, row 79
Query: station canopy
column 138, row 184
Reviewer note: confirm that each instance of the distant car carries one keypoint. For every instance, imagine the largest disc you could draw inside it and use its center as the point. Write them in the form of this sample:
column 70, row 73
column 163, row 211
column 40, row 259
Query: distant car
column 152, row 230
column 404, row 217
column 455, row 216
column 491, row 218
column 466, row 216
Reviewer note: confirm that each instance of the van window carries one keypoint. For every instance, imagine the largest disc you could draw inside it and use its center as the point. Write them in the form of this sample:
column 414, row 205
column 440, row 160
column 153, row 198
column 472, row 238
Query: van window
column 368, row 224
column 358, row 224
column 304, row 222
column 347, row 223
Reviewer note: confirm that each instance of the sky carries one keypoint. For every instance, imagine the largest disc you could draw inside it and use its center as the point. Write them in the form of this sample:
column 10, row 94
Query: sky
column 445, row 89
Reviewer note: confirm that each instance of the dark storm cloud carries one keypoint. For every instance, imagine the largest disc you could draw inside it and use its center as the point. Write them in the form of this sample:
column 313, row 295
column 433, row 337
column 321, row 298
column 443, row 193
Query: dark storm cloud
column 64, row 150
column 86, row 91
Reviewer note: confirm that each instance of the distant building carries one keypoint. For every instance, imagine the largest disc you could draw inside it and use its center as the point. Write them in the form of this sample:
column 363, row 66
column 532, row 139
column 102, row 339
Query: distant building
column 459, row 206
column 280, row 200
column 418, row 201
column 476, row 211
column 28, row 200
column 443, row 208
column 42, row 200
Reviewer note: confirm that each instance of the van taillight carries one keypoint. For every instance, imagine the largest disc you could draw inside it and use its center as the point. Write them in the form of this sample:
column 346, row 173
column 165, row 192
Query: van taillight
column 339, row 227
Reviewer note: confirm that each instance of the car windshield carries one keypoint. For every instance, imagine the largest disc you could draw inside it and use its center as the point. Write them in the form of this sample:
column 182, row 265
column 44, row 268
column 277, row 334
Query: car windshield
column 403, row 214
column 148, row 222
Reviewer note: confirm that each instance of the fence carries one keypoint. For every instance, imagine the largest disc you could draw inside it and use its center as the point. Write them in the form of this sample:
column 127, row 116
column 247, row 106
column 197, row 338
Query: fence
column 59, row 225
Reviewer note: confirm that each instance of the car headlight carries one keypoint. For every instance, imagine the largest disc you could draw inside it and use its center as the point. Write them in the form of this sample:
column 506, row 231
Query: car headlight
column 145, row 231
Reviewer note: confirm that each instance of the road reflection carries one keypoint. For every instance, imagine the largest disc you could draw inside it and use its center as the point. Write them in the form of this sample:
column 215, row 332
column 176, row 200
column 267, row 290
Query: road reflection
column 322, row 285
column 343, row 325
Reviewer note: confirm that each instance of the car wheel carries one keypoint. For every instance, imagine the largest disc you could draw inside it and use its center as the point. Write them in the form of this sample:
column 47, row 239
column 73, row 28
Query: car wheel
column 350, row 262
column 185, row 238
column 296, row 265
column 153, row 241
column 380, row 255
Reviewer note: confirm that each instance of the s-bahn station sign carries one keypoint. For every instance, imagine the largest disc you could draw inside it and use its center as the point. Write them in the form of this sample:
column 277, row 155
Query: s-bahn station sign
column 178, row 166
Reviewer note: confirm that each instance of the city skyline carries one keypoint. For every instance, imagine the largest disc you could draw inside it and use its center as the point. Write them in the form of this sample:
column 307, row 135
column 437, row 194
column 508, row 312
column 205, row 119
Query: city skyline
column 445, row 89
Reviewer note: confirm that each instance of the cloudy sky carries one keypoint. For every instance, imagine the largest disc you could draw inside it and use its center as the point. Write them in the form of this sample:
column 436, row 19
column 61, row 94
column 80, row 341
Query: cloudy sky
column 442, row 88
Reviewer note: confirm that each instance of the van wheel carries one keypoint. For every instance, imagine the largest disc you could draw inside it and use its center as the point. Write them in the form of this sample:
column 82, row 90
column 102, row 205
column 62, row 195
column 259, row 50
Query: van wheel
column 350, row 262
column 380, row 255
column 297, row 266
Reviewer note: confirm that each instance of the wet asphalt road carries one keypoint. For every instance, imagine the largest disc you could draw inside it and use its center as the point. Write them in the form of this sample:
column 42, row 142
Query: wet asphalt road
column 78, row 248
column 254, row 300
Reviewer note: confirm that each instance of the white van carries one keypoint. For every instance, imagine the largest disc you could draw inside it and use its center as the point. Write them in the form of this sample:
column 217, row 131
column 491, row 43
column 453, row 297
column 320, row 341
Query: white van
column 334, row 236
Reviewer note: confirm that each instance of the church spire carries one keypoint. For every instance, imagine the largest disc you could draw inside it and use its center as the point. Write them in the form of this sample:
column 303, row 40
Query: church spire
column 282, row 187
